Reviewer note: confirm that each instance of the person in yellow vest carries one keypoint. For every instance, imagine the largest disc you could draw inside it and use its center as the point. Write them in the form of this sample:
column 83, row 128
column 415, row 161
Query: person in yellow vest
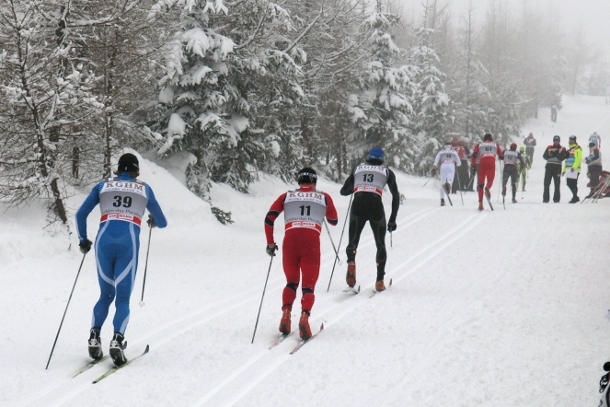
column 571, row 167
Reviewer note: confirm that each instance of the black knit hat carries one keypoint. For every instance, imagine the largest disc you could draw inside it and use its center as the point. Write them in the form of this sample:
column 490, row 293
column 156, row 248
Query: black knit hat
column 128, row 163
column 487, row 137
column 307, row 176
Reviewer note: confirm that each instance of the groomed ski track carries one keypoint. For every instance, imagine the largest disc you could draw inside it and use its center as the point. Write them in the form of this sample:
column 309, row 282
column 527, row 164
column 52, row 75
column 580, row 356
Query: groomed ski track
column 453, row 326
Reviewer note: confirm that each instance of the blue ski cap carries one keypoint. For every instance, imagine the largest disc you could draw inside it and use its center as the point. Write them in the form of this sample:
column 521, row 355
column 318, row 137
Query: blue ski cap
column 376, row 156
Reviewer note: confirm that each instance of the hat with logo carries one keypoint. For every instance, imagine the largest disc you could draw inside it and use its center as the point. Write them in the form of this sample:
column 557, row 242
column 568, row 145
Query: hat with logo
column 128, row 163
column 307, row 176
column 376, row 156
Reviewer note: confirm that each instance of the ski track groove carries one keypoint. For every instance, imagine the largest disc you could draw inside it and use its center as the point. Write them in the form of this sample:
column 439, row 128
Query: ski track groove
column 70, row 388
column 334, row 314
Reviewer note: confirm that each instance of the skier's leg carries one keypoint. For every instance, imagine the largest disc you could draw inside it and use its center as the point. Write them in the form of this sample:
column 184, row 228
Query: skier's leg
column 291, row 264
column 105, row 275
column 310, row 269
column 125, row 268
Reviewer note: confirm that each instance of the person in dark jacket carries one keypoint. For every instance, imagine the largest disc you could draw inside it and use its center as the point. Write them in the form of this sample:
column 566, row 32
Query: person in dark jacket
column 366, row 182
column 554, row 156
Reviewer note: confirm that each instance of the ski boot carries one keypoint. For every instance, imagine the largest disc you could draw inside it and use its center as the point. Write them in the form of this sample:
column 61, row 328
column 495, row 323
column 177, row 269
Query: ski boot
column 350, row 278
column 379, row 286
column 442, row 202
column 304, row 329
column 481, row 206
column 117, row 345
column 95, row 345
column 285, row 324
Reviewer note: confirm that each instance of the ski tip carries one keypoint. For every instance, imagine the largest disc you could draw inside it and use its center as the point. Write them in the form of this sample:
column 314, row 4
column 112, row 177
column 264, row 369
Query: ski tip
column 358, row 290
column 390, row 282
column 147, row 348
column 322, row 326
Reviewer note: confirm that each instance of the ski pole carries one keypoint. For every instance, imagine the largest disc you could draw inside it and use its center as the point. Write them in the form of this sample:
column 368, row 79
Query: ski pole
column 426, row 183
column 263, row 296
column 331, row 241
column 145, row 267
column 66, row 310
column 391, row 244
column 349, row 206
column 459, row 186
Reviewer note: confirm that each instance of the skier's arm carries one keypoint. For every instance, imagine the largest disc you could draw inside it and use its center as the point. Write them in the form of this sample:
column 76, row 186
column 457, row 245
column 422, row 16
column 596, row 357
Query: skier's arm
column 395, row 195
column 81, row 215
column 274, row 212
column 331, row 212
column 154, row 209
column 437, row 159
column 475, row 154
column 500, row 152
column 348, row 186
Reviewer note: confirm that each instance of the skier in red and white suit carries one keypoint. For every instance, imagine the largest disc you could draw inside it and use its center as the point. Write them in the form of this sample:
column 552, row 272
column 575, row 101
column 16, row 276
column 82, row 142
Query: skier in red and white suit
column 304, row 211
column 484, row 162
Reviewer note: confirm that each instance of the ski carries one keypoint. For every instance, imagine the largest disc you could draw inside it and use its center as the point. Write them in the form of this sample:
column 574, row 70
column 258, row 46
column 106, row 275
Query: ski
column 89, row 366
column 302, row 342
column 375, row 292
column 448, row 191
column 489, row 202
column 114, row 369
column 352, row 290
column 279, row 340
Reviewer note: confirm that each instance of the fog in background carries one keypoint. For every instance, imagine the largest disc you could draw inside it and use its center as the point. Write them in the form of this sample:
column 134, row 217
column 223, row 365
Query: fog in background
column 581, row 27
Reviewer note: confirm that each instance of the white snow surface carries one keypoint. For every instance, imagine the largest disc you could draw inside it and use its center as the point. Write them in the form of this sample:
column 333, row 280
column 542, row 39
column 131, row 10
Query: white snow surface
column 502, row 308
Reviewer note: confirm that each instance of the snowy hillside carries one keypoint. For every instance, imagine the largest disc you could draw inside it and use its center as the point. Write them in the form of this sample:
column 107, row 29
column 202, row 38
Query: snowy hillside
column 493, row 309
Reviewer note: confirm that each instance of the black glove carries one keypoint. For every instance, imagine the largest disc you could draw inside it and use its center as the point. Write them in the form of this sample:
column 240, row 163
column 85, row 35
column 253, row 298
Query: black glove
column 433, row 172
column 85, row 246
column 151, row 221
column 391, row 226
column 271, row 248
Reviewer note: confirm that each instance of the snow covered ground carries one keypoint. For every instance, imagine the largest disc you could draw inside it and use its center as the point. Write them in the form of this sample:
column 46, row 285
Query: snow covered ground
column 502, row 308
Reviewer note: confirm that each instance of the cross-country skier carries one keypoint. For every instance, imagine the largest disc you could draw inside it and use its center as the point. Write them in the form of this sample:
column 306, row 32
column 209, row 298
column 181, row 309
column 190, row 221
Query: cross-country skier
column 366, row 182
column 123, row 201
column 594, row 163
column 522, row 169
column 554, row 155
column 530, row 143
column 449, row 160
column 572, row 167
column 304, row 211
column 596, row 138
column 484, row 163
column 512, row 158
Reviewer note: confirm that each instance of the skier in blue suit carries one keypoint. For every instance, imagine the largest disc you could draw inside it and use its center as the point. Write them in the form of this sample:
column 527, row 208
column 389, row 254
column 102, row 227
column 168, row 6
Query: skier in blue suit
column 123, row 201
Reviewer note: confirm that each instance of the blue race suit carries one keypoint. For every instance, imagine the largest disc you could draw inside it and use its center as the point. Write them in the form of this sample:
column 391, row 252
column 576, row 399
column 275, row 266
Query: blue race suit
column 123, row 201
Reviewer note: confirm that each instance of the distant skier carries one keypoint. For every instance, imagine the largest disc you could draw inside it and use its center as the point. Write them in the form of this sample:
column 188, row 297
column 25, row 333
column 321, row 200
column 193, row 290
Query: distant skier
column 366, row 182
column 572, row 167
column 595, row 138
column 594, row 163
column 304, row 211
column 554, row 156
column 522, row 169
column 512, row 158
column 484, row 164
column 463, row 174
column 448, row 159
column 530, row 143
column 123, row 201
